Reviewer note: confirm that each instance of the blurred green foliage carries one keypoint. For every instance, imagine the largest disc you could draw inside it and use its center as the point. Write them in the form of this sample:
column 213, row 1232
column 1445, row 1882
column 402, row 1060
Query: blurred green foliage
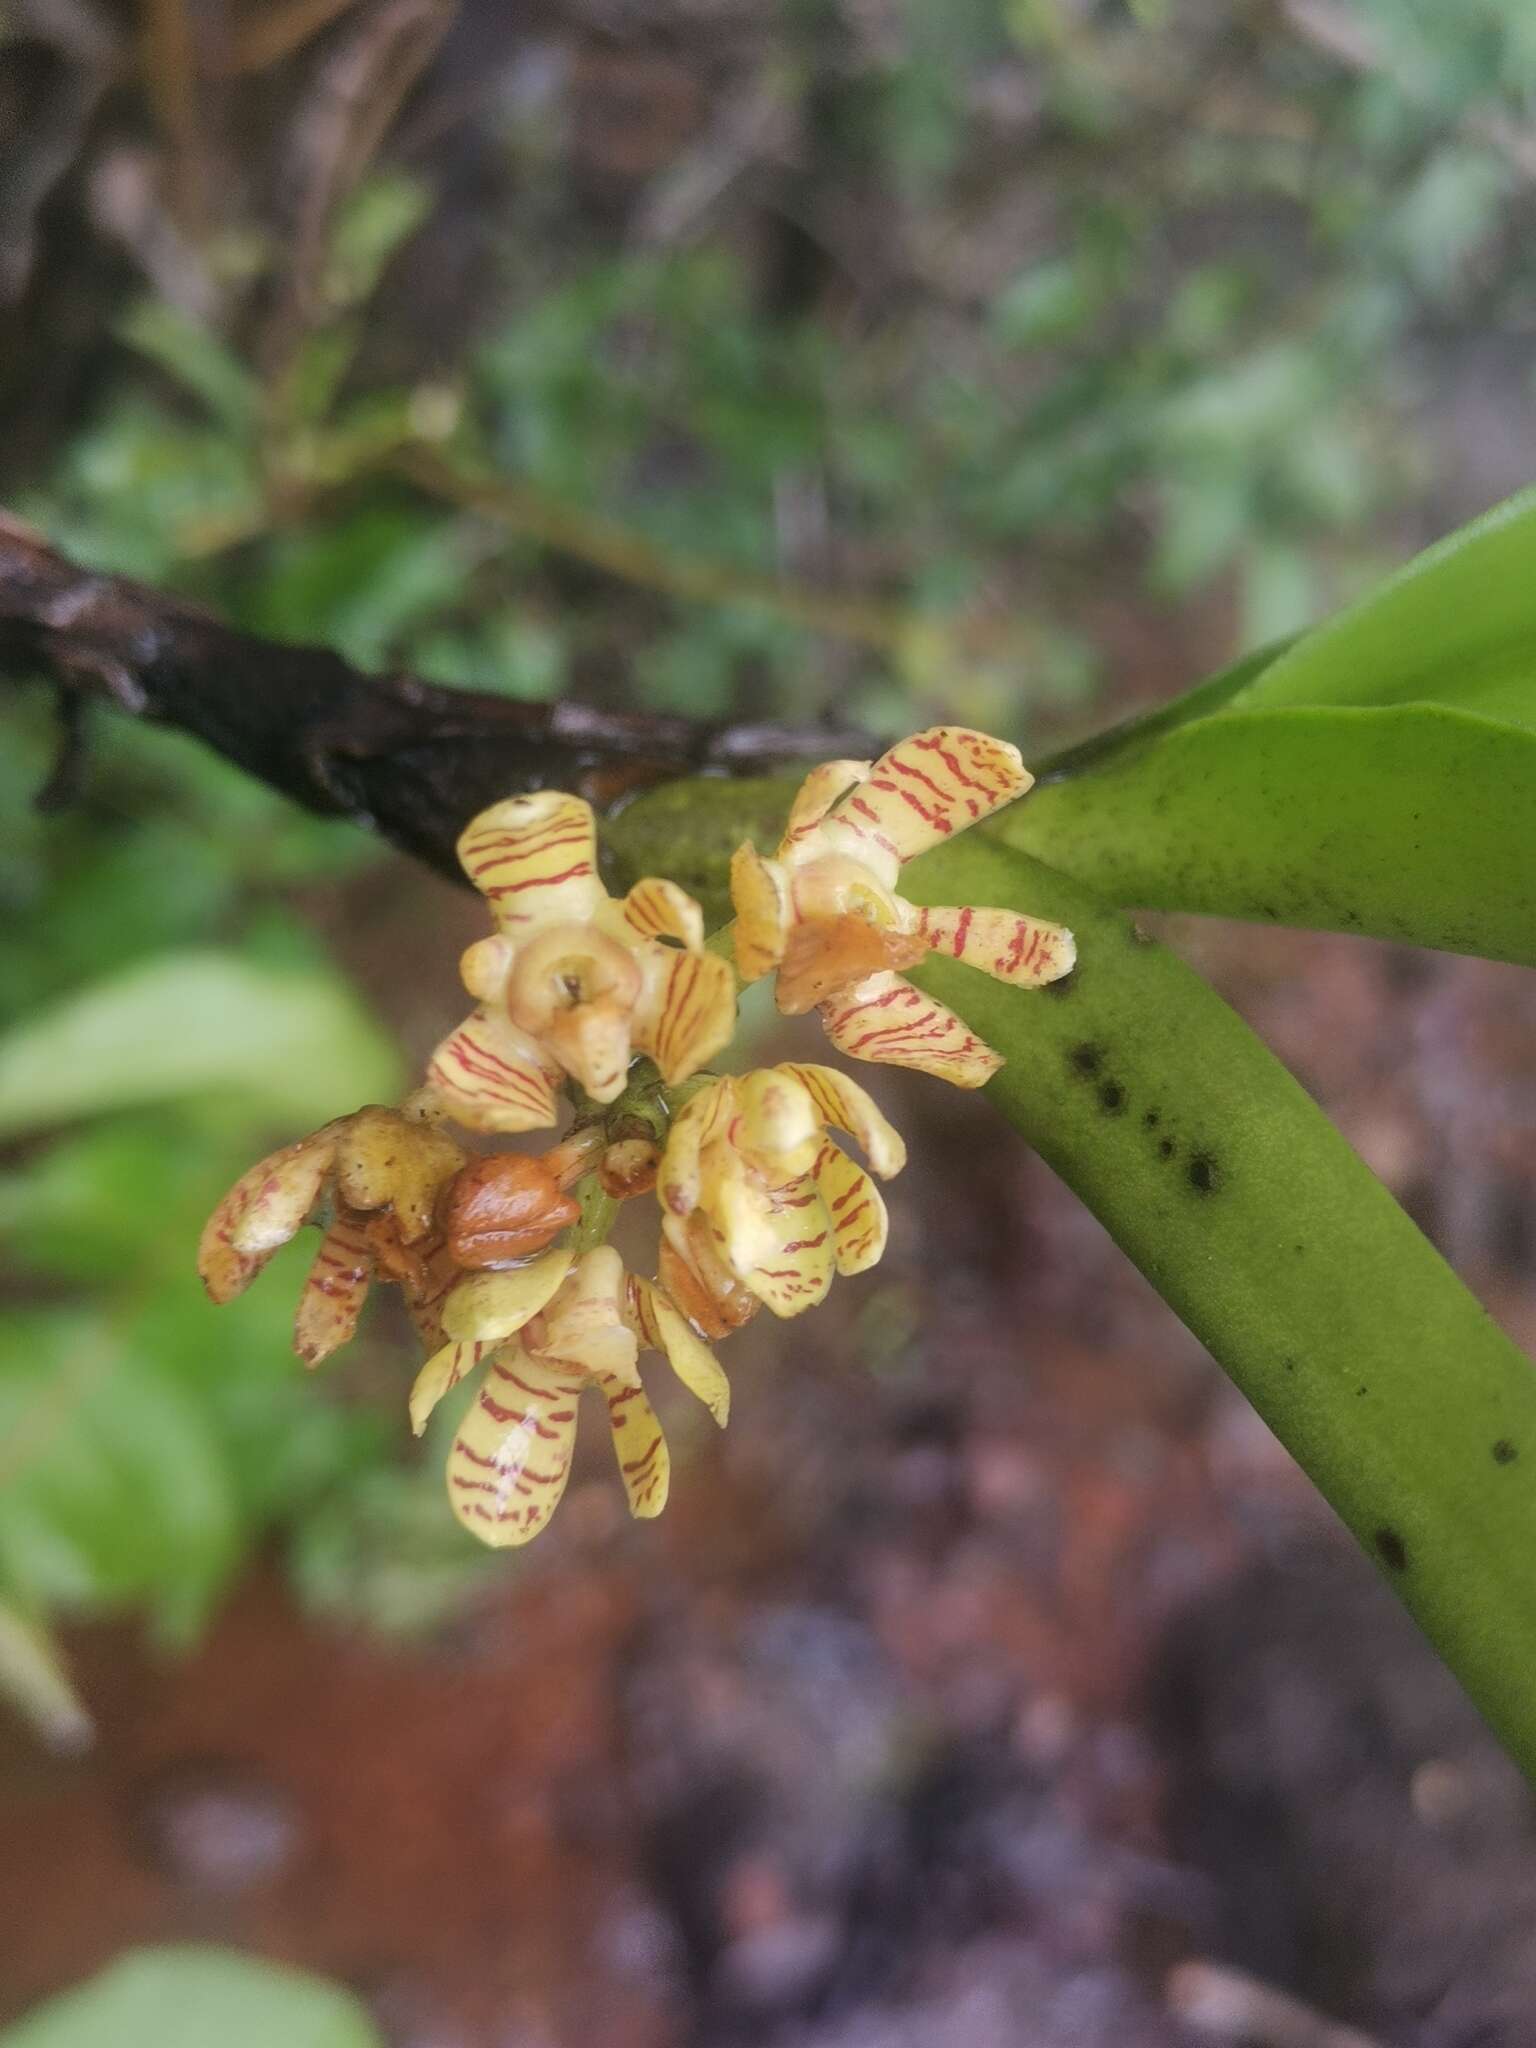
column 143, row 1444
column 1203, row 350
column 165, row 1015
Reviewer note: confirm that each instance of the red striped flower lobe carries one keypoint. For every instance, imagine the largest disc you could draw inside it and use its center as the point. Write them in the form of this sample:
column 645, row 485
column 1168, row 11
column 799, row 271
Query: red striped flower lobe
column 824, row 917
column 574, row 981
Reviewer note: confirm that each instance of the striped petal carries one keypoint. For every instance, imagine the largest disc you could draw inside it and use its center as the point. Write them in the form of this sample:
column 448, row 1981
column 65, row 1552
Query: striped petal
column 859, row 1222
column 698, row 1123
column 842, row 1103
column 492, row 1077
column 930, row 786
column 494, row 1306
column 657, row 909
column 424, row 1302
column 816, row 796
column 687, row 1013
column 764, row 912
column 779, row 1246
column 534, row 860
column 333, row 1294
column 512, row 1456
column 440, row 1375
column 639, row 1446
column 664, row 1328
column 1025, row 951
column 262, row 1211
column 888, row 1021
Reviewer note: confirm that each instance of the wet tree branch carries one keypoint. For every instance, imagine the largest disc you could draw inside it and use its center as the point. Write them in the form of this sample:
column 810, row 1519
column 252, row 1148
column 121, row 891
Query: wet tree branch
column 399, row 756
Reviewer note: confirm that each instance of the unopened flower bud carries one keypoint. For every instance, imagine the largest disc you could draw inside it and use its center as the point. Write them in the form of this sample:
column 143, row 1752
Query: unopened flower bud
column 504, row 1208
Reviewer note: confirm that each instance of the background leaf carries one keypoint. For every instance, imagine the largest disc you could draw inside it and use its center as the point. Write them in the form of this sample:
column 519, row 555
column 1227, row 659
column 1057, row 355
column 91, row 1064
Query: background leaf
column 1414, row 822
column 1456, row 626
column 116, row 1487
column 191, row 1997
column 1376, row 775
column 190, row 1023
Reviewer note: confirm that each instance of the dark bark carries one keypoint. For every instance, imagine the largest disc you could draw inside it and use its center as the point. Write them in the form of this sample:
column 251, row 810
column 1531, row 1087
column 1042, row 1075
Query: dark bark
column 402, row 757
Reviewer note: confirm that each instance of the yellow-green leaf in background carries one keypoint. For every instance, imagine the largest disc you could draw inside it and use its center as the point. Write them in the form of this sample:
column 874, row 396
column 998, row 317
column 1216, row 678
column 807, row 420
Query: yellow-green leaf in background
column 194, row 1997
column 1376, row 775
column 194, row 1023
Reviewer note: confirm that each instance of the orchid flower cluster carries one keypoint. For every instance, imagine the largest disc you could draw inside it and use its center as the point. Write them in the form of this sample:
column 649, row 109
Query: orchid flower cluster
column 618, row 1003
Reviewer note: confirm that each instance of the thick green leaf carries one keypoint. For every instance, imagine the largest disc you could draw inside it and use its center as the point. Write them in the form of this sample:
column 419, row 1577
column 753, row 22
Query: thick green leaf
column 1412, row 821
column 1239, row 1200
column 192, row 1997
column 192, row 1023
column 1376, row 775
column 1457, row 625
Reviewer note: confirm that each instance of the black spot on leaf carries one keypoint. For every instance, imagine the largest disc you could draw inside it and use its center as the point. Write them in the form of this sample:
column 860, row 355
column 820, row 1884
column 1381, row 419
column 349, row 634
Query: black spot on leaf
column 1504, row 1452
column 1204, row 1173
column 1391, row 1548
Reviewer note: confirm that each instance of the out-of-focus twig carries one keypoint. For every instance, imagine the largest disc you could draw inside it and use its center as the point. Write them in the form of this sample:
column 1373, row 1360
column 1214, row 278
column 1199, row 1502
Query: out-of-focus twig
column 609, row 544
column 395, row 754
column 35, row 1680
column 168, row 60
column 359, row 91
column 271, row 31
column 37, row 150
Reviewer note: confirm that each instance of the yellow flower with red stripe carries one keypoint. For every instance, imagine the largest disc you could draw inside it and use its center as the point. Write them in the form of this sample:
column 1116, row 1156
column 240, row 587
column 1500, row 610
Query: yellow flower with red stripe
column 756, row 1195
column 374, row 1181
column 574, row 981
column 542, row 1335
column 825, row 916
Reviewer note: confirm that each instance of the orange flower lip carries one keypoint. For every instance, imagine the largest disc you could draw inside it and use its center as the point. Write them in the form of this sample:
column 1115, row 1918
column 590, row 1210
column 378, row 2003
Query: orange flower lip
column 825, row 955
column 824, row 916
